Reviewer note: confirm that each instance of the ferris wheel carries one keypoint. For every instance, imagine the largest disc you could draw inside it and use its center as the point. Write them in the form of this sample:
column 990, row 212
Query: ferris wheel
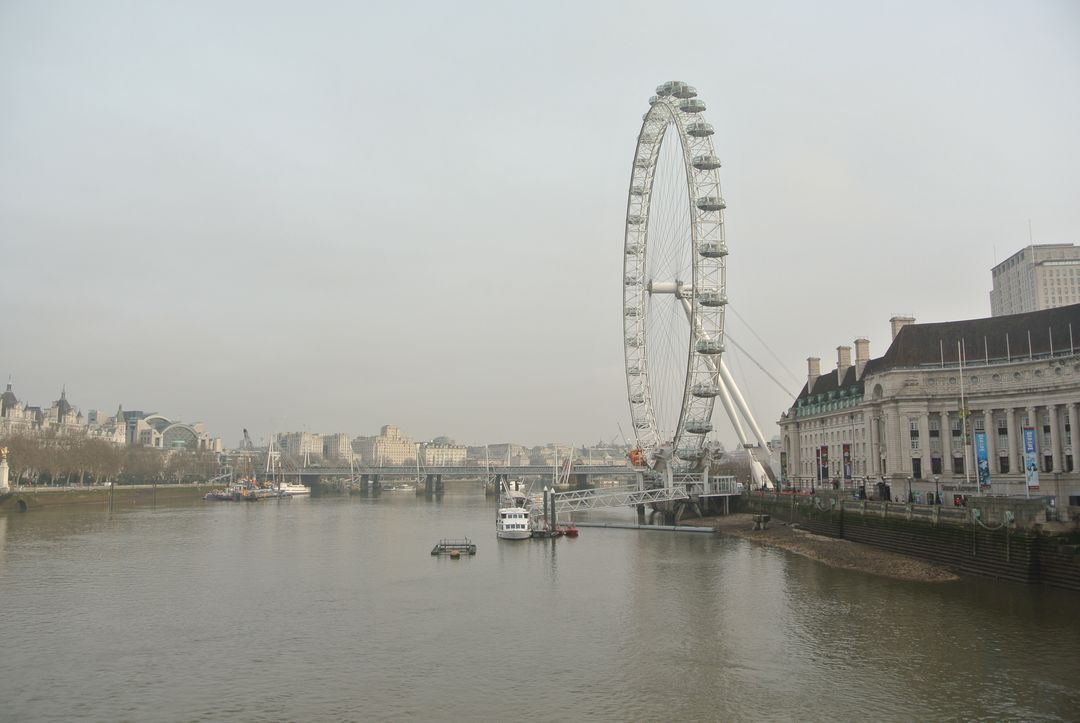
column 675, row 284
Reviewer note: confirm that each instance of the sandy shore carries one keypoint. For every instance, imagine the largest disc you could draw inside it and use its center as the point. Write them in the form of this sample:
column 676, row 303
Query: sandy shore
column 827, row 550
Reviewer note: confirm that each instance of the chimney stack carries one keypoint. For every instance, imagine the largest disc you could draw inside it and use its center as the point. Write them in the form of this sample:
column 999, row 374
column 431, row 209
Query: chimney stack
column 862, row 355
column 843, row 359
column 813, row 371
column 899, row 322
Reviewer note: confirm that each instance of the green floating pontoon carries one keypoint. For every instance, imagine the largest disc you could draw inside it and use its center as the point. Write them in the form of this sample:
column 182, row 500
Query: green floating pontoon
column 462, row 547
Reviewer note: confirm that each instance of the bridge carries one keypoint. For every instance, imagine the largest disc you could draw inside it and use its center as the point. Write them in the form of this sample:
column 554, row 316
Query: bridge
column 641, row 487
column 610, row 471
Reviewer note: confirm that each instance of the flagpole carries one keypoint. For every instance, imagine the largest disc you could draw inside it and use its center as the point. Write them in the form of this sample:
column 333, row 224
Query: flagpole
column 964, row 417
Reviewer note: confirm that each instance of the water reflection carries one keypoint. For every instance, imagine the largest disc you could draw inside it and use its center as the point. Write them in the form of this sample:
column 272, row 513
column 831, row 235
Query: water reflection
column 334, row 608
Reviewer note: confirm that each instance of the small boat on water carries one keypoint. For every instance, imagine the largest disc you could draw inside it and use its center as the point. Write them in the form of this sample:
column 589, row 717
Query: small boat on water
column 244, row 491
column 293, row 490
column 513, row 524
column 512, row 521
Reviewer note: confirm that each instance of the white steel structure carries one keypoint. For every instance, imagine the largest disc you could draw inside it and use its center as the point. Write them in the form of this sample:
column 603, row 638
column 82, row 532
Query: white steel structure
column 675, row 287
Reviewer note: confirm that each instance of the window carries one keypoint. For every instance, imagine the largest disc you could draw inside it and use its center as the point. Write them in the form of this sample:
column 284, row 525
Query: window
column 1003, row 465
column 958, row 465
column 935, row 465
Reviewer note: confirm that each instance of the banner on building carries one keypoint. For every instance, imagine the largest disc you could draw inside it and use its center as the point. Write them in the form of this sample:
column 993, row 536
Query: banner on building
column 982, row 459
column 823, row 474
column 847, row 461
column 783, row 465
column 817, row 461
column 1031, row 461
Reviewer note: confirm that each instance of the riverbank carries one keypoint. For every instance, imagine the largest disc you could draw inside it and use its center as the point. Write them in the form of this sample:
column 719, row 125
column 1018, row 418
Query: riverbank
column 30, row 499
column 842, row 554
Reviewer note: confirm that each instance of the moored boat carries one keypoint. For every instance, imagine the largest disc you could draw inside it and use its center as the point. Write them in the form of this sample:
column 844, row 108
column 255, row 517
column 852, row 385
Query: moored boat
column 293, row 490
column 513, row 519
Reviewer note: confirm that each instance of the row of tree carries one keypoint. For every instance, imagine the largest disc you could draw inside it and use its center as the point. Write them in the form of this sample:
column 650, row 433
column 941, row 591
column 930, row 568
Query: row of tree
column 70, row 460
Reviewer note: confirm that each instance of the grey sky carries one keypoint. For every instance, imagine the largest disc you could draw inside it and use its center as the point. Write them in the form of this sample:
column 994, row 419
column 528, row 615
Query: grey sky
column 331, row 216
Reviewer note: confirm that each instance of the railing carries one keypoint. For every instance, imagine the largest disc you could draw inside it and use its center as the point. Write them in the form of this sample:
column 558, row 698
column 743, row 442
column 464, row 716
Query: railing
column 615, row 497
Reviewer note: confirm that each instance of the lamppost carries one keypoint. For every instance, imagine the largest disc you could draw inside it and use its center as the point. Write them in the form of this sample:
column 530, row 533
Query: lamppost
column 937, row 497
column 909, row 490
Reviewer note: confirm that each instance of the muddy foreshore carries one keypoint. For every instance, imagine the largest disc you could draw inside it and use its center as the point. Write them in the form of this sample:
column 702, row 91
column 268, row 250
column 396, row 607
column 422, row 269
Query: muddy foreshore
column 843, row 554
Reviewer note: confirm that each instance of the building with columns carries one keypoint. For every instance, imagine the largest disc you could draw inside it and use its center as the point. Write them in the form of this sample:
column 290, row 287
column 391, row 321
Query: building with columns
column 910, row 417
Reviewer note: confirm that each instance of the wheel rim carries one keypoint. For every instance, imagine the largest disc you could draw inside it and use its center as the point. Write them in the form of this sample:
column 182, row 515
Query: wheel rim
column 674, row 277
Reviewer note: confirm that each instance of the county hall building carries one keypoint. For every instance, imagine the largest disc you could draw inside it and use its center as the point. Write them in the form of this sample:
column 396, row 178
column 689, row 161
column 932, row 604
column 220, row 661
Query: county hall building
column 900, row 418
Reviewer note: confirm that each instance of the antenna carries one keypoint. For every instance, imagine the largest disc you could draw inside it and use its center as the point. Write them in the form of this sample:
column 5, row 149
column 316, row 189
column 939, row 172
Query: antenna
column 1030, row 241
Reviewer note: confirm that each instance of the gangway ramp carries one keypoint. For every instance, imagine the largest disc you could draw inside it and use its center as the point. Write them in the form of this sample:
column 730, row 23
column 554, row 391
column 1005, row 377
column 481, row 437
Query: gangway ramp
column 593, row 499
column 683, row 487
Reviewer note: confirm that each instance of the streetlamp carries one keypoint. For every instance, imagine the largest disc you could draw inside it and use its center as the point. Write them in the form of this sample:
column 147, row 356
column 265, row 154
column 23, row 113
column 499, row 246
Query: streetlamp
column 909, row 489
column 937, row 497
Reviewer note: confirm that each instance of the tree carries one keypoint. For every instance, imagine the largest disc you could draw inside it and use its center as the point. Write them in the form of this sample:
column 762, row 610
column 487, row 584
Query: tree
column 142, row 464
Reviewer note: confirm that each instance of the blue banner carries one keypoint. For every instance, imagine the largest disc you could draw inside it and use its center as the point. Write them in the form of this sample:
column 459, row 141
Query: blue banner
column 982, row 459
column 1031, row 461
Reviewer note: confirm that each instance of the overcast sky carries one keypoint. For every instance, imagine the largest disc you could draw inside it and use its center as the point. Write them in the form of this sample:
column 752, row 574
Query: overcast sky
column 331, row 216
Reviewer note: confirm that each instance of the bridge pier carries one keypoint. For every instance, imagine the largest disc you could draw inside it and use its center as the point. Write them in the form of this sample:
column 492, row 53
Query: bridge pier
column 581, row 482
column 376, row 487
column 438, row 485
column 641, row 514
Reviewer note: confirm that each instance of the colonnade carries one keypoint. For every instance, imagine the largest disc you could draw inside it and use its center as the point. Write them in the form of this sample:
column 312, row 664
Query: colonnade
column 891, row 450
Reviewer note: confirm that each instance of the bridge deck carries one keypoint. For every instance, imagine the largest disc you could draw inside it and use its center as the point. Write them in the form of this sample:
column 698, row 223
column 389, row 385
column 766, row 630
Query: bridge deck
column 597, row 470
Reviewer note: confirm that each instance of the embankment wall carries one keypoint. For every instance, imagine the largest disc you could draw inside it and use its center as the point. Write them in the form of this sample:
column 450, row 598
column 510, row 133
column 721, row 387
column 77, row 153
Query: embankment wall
column 959, row 541
column 29, row 500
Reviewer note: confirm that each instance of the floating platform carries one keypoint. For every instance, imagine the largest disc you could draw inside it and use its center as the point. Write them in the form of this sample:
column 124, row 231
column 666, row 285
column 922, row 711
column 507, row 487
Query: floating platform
column 449, row 547
column 657, row 528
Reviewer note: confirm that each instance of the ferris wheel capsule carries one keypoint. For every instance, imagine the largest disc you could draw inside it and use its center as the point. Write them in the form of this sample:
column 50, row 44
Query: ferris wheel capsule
column 711, row 203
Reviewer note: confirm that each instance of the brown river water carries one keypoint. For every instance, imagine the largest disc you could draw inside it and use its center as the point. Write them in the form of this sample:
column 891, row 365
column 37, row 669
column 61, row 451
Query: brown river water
column 333, row 609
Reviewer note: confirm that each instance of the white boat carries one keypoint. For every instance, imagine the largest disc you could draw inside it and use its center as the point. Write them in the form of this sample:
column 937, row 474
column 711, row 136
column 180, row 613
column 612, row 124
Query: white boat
column 293, row 490
column 512, row 520
column 274, row 473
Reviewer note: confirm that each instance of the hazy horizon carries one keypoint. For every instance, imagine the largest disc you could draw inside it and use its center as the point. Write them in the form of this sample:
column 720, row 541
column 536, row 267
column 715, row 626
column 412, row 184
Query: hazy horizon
column 348, row 215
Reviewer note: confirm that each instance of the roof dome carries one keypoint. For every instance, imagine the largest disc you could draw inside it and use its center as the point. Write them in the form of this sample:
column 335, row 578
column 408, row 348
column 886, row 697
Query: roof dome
column 7, row 400
column 62, row 405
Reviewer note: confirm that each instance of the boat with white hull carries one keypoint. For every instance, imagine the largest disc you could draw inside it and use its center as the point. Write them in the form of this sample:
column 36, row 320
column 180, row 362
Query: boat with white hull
column 512, row 522
column 293, row 490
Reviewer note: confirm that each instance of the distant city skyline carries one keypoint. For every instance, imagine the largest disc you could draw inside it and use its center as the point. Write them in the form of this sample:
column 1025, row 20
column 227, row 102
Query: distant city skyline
column 352, row 215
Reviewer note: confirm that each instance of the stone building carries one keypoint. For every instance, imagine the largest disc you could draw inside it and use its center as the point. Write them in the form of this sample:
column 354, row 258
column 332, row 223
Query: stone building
column 124, row 428
column 303, row 446
column 15, row 416
column 157, row 430
column 911, row 417
column 1036, row 277
column 389, row 448
column 443, row 455
column 337, row 447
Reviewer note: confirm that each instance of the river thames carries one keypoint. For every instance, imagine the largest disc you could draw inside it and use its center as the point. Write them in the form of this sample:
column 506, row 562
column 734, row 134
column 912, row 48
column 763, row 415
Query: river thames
column 333, row 609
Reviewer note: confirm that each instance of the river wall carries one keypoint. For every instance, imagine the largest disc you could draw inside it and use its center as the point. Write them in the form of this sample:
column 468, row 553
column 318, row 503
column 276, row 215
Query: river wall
column 28, row 500
column 977, row 540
